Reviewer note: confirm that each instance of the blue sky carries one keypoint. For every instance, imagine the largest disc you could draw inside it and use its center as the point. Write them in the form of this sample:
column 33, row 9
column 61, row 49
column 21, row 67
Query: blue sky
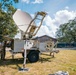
column 59, row 12
column 51, row 6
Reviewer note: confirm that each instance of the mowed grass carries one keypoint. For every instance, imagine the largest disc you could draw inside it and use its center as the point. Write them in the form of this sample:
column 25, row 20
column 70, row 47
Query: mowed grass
column 65, row 60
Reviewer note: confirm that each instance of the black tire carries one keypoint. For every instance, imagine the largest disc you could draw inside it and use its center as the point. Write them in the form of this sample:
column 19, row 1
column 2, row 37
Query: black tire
column 33, row 56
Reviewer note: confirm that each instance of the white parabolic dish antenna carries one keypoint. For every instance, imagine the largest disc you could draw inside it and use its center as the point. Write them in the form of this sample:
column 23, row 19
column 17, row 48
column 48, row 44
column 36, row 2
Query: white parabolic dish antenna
column 22, row 19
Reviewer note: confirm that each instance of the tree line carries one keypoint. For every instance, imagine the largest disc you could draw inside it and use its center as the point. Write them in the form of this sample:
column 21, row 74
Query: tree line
column 67, row 32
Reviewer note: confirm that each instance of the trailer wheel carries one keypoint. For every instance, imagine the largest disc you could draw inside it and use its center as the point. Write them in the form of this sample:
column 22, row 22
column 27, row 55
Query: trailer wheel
column 33, row 56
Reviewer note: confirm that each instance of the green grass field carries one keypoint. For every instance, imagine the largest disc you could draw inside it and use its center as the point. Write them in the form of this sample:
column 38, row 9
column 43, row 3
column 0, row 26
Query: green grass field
column 65, row 60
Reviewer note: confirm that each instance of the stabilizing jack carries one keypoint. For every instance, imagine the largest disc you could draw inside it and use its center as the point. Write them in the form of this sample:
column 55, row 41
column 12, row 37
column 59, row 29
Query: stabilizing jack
column 24, row 64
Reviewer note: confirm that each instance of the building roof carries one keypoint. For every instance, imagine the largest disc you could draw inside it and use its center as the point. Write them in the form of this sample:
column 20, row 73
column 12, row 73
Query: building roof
column 44, row 38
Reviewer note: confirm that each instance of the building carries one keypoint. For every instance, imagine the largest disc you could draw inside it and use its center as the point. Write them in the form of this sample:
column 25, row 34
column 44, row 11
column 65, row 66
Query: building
column 45, row 38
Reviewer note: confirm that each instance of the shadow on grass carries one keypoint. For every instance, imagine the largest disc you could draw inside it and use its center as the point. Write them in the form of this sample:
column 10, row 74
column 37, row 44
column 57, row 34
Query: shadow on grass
column 7, row 62
column 42, row 60
column 21, row 60
column 11, row 61
column 45, row 58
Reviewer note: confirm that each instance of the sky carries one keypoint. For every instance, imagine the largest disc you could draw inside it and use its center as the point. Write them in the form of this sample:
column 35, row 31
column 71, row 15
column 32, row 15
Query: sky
column 58, row 12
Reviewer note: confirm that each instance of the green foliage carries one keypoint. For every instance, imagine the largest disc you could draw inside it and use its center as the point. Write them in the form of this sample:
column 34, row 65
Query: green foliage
column 67, row 32
column 7, row 26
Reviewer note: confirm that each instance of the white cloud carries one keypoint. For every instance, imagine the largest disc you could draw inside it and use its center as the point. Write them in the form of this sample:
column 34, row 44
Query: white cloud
column 66, row 7
column 63, row 16
column 51, row 25
column 37, row 1
column 26, row 1
column 34, row 2
column 43, row 31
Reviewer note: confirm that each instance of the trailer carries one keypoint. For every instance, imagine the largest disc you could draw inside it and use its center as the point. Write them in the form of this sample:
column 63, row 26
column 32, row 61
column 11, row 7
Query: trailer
column 26, row 45
column 34, row 48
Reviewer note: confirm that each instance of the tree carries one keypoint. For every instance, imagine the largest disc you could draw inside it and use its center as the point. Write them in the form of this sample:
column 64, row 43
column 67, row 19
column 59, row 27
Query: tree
column 7, row 25
column 67, row 32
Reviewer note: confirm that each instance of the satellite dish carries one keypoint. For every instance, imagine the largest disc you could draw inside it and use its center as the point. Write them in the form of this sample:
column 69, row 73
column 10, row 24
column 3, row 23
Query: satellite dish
column 22, row 19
